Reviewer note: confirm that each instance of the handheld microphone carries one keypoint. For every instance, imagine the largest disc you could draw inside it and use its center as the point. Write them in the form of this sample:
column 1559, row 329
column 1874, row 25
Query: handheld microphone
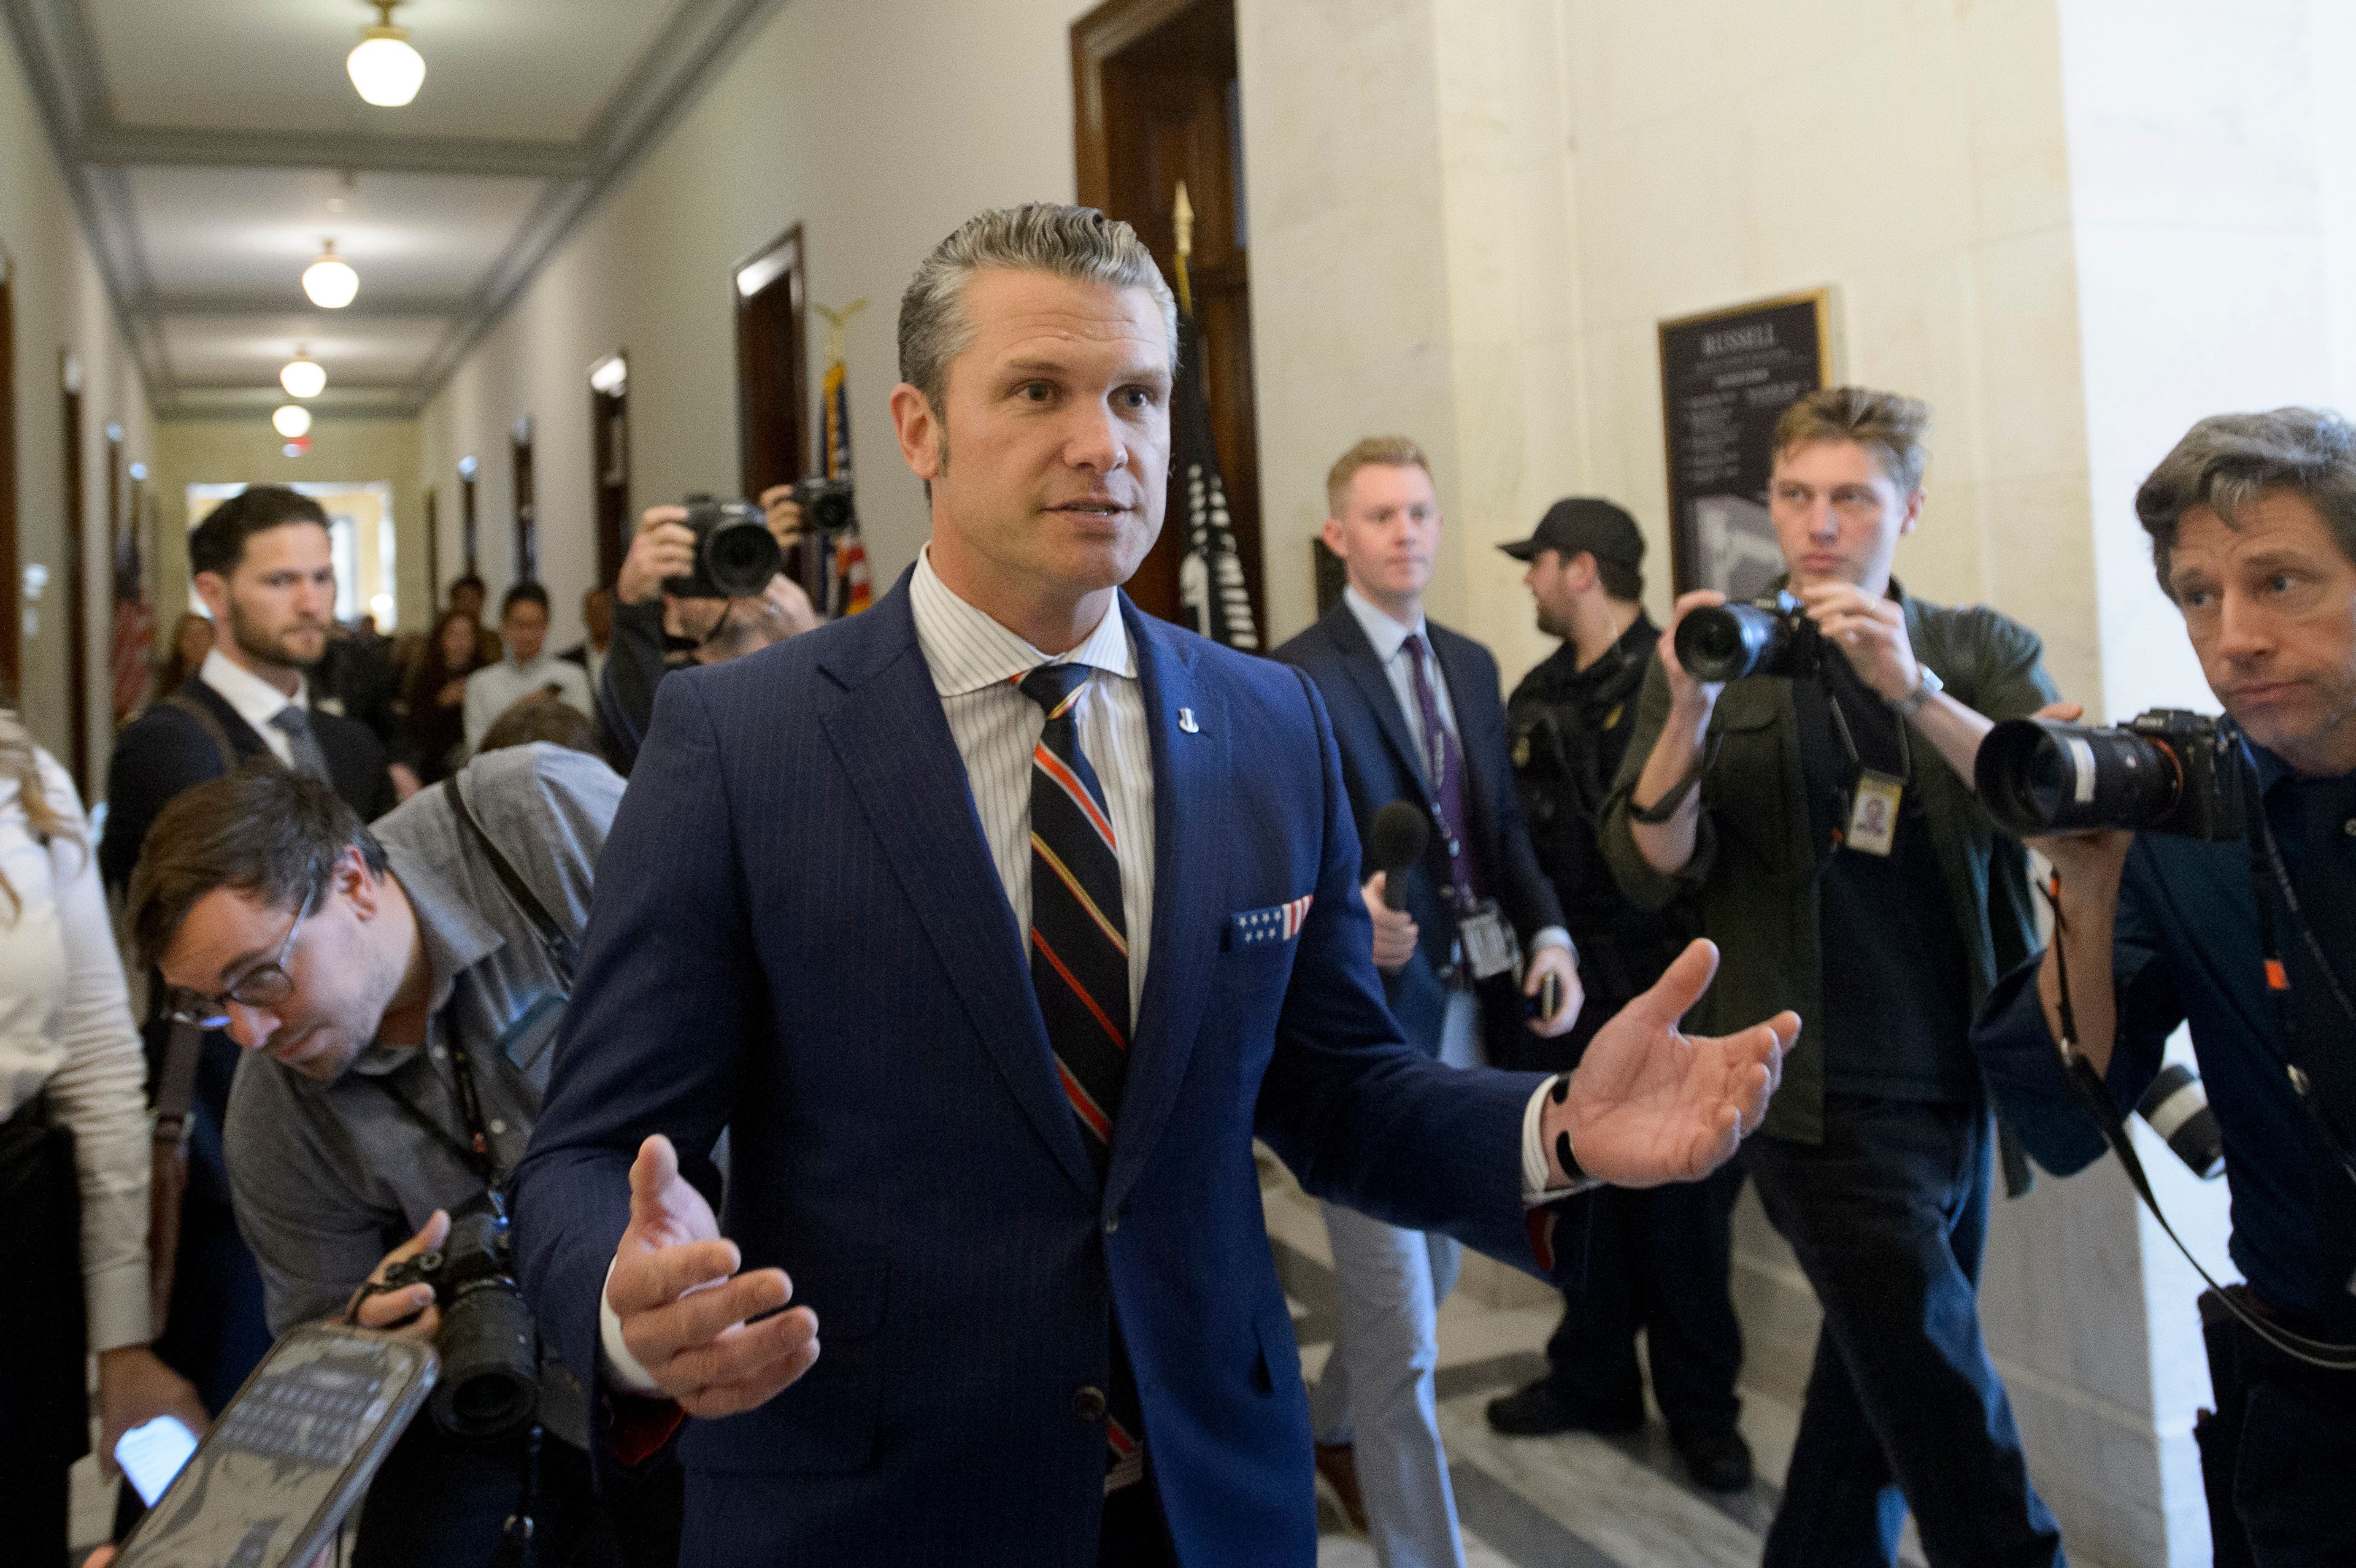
column 1395, row 840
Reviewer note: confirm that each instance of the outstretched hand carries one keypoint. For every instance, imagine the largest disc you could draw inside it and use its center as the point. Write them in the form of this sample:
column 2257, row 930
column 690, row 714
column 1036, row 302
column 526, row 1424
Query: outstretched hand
column 688, row 1315
column 1650, row 1103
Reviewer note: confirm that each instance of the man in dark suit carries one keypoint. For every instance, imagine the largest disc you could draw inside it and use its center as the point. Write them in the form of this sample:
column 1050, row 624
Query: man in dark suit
column 891, row 902
column 1417, row 718
column 263, row 571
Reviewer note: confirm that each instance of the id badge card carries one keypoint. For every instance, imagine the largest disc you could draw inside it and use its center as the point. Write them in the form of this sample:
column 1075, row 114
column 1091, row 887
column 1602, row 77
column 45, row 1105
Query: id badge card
column 1873, row 813
column 1490, row 946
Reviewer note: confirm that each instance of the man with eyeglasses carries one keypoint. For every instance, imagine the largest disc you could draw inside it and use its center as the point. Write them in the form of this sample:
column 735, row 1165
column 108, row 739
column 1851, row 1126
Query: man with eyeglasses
column 395, row 993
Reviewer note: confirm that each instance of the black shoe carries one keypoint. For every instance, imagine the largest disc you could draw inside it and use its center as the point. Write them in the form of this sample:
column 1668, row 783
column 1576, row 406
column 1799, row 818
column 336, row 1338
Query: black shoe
column 1717, row 1456
column 1539, row 1411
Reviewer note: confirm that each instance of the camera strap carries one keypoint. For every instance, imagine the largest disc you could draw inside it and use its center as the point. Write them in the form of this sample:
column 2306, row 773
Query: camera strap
column 2093, row 1096
column 2269, row 874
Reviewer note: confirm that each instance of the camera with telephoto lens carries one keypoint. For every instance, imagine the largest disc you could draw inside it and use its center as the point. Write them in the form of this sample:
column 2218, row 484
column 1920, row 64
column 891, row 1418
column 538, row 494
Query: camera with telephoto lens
column 826, row 505
column 489, row 1348
column 2167, row 770
column 1766, row 636
column 735, row 553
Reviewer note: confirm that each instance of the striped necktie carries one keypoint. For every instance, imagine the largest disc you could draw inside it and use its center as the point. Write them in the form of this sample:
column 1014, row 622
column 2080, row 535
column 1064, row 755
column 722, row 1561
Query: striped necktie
column 294, row 723
column 1079, row 967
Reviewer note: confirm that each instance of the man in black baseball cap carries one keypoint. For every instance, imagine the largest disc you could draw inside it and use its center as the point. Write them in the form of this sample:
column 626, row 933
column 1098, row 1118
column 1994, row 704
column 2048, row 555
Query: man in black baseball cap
column 1657, row 1260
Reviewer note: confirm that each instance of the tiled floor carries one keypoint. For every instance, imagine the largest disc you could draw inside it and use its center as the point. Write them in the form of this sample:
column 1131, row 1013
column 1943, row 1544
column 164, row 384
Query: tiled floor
column 1552, row 1502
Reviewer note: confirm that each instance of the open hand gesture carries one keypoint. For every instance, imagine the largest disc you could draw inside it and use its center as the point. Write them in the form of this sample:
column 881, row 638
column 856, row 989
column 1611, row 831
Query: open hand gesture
column 1652, row 1104
column 687, row 1312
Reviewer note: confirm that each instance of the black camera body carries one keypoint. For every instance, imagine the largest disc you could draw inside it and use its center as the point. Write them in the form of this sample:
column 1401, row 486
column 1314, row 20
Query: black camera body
column 488, row 1343
column 735, row 553
column 826, row 504
column 2168, row 771
column 1766, row 636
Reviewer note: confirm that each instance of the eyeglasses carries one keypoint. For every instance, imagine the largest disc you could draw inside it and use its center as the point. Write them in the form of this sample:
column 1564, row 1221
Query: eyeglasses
column 263, row 985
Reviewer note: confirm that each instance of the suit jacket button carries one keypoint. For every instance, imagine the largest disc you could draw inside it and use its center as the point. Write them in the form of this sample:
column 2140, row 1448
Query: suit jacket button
column 1112, row 1225
column 1088, row 1405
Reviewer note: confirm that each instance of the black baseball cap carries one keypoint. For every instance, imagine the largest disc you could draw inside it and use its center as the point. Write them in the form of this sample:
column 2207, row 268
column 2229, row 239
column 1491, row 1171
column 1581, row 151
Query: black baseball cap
column 1583, row 523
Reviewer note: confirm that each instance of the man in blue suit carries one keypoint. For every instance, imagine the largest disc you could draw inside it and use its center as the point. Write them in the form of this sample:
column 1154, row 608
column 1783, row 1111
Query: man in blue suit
column 1417, row 718
column 991, row 924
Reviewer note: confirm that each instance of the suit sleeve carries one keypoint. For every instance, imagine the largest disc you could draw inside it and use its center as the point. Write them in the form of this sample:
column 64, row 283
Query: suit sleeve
column 1361, row 1117
column 668, row 993
column 154, row 759
column 2023, row 1062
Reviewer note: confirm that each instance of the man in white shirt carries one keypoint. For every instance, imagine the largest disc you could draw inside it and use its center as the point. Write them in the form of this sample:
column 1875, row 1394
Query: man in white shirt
column 526, row 670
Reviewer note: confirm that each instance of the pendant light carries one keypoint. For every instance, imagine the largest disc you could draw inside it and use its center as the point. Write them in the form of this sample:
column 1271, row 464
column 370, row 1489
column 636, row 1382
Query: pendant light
column 385, row 69
column 330, row 281
column 291, row 420
column 303, row 376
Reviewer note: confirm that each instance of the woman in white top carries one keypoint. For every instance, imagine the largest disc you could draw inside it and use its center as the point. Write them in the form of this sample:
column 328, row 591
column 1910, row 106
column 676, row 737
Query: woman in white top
column 69, row 1060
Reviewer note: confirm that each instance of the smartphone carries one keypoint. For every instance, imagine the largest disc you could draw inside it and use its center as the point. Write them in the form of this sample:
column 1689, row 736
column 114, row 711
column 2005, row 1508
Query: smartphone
column 1548, row 1002
column 153, row 1453
column 292, row 1454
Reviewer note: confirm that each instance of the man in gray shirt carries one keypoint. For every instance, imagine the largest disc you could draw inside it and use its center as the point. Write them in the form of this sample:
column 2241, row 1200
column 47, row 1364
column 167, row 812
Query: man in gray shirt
column 396, row 993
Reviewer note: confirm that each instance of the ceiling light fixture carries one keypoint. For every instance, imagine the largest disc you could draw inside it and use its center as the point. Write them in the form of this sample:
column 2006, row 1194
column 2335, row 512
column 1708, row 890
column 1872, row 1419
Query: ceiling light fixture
column 303, row 376
column 330, row 281
column 384, row 67
column 291, row 420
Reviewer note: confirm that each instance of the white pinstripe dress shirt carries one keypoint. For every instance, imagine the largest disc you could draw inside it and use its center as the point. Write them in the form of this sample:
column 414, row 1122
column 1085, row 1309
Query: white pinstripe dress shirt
column 975, row 662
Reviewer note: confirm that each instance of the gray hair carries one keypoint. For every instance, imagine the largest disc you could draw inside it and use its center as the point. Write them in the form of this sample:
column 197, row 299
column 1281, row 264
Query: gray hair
column 1075, row 242
column 2227, row 460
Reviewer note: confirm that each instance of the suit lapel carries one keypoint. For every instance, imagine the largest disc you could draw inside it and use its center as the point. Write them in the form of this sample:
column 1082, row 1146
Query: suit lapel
column 892, row 738
column 1190, row 771
column 1366, row 673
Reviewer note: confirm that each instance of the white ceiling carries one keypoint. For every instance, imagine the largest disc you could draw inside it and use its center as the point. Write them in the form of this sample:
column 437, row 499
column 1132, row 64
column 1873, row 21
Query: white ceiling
column 214, row 145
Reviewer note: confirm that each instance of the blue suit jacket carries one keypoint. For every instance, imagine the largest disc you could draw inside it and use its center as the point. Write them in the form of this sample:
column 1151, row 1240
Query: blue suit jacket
column 1379, row 765
column 798, row 937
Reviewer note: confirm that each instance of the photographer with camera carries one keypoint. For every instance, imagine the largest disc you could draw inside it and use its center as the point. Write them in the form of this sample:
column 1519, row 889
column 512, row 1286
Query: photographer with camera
column 396, row 992
column 673, row 609
column 1803, row 770
column 2216, row 887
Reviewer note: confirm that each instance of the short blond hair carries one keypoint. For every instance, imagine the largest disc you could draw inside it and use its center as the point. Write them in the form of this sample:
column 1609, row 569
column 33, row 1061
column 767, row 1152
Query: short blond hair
column 1888, row 425
column 1375, row 451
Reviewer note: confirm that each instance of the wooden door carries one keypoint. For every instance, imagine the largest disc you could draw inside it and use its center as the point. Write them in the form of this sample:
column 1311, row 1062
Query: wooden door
column 11, row 666
column 432, row 559
column 609, row 423
column 1155, row 102
column 469, row 521
column 76, row 583
column 527, row 511
column 772, row 364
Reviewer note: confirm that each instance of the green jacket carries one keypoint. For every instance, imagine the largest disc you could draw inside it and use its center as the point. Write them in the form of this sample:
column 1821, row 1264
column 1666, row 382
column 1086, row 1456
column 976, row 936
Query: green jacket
column 1754, row 867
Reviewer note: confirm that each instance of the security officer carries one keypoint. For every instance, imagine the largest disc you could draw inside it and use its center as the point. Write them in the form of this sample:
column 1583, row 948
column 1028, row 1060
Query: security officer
column 1657, row 1259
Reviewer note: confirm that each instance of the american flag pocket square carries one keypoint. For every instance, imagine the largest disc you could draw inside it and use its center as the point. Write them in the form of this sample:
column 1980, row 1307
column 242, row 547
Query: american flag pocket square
column 1276, row 922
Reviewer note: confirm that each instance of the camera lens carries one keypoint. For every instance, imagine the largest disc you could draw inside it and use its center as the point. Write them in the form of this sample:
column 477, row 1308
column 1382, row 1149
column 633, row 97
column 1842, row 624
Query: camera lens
column 2038, row 776
column 490, row 1360
column 1727, row 642
column 830, row 509
column 740, row 556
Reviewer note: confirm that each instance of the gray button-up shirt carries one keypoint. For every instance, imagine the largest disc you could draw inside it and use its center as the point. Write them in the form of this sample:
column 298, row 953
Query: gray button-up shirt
column 328, row 1177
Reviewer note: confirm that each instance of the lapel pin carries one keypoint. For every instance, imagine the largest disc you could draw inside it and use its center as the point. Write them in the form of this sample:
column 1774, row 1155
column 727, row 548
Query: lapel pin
column 1186, row 721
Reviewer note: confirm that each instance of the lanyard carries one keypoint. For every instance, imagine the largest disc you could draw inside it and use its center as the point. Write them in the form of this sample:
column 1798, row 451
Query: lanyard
column 474, row 1151
column 2269, row 875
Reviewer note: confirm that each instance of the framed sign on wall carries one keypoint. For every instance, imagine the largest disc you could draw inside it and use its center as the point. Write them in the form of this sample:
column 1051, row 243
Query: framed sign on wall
column 1726, row 377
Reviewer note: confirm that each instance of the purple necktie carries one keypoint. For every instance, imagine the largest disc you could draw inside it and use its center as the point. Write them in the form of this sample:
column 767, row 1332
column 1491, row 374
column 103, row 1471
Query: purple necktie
column 1445, row 766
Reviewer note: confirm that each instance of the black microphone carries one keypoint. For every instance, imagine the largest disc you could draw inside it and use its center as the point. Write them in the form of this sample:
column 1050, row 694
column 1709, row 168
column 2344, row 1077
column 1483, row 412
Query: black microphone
column 1395, row 840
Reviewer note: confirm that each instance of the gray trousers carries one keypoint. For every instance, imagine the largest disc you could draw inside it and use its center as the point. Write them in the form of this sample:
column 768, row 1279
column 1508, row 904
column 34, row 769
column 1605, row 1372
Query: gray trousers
column 1376, row 1389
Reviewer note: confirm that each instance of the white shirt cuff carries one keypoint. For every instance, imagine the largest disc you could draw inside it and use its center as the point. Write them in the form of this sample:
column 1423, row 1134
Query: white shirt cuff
column 1549, row 937
column 622, row 1369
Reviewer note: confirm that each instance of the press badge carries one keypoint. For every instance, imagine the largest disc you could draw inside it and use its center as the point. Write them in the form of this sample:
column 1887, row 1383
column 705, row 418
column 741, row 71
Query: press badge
column 1487, row 942
column 1873, row 813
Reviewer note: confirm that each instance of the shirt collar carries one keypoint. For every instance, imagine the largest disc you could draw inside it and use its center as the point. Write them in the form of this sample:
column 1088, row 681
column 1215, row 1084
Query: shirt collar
column 256, row 701
column 1387, row 635
column 455, row 939
column 968, row 651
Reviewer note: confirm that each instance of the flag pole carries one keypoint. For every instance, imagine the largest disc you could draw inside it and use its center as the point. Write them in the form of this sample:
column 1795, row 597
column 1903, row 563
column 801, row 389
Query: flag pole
column 1183, row 217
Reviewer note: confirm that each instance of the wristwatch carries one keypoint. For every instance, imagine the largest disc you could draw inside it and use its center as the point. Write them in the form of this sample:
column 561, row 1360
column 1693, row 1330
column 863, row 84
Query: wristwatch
column 1927, row 687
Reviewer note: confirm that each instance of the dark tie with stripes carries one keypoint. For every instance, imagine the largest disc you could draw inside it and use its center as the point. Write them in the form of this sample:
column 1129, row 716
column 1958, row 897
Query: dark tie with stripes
column 1079, row 967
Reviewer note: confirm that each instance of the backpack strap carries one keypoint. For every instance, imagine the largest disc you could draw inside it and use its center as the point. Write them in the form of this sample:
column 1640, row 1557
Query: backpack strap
column 210, row 724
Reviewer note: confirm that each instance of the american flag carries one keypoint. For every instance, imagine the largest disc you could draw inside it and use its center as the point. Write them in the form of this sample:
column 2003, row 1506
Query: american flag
column 1210, row 576
column 852, row 591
